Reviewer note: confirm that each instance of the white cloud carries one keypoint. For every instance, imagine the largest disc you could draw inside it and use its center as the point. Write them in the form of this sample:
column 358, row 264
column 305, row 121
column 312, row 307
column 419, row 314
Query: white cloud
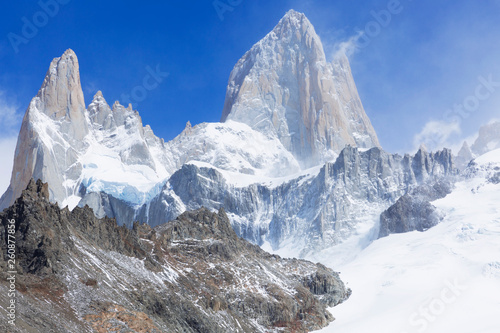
column 7, row 147
column 10, row 118
column 347, row 47
column 437, row 134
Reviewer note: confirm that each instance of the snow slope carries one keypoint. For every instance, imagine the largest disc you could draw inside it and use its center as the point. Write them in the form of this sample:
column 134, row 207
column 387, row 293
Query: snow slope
column 446, row 279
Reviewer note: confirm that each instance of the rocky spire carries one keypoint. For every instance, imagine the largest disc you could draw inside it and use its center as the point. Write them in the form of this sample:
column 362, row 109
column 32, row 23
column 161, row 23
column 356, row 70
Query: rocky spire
column 52, row 132
column 284, row 87
column 464, row 156
column 61, row 95
column 465, row 152
column 100, row 112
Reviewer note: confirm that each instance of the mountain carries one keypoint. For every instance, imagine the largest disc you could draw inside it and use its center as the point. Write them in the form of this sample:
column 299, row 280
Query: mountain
column 108, row 149
column 52, row 131
column 488, row 139
column 296, row 188
column 126, row 232
column 76, row 273
column 63, row 142
column 305, row 213
column 285, row 88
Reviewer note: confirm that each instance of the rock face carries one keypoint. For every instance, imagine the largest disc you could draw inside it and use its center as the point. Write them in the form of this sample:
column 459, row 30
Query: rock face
column 58, row 111
column 413, row 211
column 316, row 210
column 77, row 273
column 61, row 95
column 284, row 87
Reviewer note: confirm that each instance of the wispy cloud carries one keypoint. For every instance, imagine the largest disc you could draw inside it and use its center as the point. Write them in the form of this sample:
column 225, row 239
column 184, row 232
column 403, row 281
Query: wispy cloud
column 437, row 134
column 7, row 147
column 347, row 47
column 10, row 118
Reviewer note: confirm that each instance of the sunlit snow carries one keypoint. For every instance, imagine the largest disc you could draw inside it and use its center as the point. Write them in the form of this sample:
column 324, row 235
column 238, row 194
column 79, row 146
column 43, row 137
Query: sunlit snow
column 446, row 279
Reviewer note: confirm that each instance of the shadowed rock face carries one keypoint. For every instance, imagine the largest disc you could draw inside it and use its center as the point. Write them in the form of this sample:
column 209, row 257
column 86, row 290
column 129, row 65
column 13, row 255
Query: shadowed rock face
column 78, row 273
column 413, row 211
column 408, row 214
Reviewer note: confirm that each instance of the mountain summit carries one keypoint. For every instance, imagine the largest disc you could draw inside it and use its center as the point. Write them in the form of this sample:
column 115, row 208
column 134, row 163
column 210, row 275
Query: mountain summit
column 284, row 87
column 61, row 95
column 52, row 131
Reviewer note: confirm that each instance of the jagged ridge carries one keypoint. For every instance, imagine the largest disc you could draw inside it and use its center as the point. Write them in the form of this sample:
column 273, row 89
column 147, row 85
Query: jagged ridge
column 77, row 273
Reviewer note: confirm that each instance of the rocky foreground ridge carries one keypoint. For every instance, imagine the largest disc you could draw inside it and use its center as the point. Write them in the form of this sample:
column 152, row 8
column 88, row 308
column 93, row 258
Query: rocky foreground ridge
column 78, row 273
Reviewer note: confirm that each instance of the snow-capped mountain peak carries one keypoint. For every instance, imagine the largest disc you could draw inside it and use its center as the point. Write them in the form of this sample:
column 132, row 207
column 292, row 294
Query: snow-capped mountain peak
column 108, row 149
column 295, row 29
column 285, row 88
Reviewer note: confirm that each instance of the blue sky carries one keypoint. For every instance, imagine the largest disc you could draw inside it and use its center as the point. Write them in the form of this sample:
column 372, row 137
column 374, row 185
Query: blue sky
column 411, row 71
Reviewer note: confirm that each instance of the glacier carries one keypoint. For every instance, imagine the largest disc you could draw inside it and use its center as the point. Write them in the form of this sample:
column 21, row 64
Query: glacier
column 446, row 279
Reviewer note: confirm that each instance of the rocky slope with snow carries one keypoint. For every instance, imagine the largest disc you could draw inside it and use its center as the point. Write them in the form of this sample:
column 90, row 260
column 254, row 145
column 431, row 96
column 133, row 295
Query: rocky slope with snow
column 76, row 273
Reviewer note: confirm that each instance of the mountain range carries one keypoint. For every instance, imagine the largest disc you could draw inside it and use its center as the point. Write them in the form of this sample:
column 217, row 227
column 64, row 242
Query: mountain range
column 294, row 167
column 294, row 154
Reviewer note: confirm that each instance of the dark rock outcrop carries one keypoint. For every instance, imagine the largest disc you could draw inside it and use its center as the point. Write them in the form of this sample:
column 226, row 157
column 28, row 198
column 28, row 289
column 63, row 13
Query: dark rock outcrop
column 413, row 211
column 408, row 214
column 495, row 178
column 78, row 273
